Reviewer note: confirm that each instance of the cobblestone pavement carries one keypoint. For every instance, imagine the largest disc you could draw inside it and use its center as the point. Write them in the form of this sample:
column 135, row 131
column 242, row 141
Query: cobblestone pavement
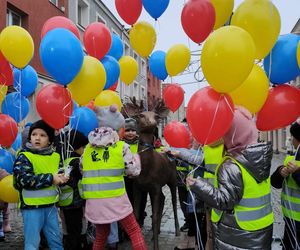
column 167, row 238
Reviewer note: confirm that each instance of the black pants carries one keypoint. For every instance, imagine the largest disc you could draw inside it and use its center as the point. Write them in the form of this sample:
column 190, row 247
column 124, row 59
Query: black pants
column 291, row 238
column 201, row 218
column 73, row 220
column 183, row 194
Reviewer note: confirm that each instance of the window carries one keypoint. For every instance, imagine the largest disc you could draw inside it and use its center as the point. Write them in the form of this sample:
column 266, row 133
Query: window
column 13, row 18
column 127, row 50
column 143, row 68
column 143, row 93
column 82, row 13
column 100, row 19
column 135, row 89
column 55, row 2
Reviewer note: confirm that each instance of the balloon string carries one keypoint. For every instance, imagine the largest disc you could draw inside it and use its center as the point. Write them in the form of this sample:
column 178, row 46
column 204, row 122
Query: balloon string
column 213, row 120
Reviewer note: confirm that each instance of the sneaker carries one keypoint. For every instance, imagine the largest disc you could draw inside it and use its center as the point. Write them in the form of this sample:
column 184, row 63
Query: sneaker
column 185, row 227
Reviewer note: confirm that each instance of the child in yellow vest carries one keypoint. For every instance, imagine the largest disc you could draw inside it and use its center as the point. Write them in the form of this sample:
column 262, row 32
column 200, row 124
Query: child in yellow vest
column 287, row 177
column 36, row 179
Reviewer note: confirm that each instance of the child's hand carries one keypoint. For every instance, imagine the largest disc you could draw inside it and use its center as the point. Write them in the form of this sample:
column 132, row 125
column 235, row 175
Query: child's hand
column 292, row 167
column 284, row 172
column 59, row 179
column 190, row 181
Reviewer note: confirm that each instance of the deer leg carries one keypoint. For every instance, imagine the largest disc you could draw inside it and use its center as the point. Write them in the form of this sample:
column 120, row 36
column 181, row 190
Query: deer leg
column 137, row 197
column 173, row 188
column 161, row 209
column 155, row 201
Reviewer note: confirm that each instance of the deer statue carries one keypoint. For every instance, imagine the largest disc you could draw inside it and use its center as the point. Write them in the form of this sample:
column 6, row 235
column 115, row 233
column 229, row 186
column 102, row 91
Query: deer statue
column 157, row 169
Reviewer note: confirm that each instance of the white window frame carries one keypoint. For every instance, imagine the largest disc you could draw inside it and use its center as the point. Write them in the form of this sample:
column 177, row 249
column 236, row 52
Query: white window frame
column 87, row 19
column 143, row 68
column 98, row 16
column 143, row 91
column 9, row 17
column 135, row 88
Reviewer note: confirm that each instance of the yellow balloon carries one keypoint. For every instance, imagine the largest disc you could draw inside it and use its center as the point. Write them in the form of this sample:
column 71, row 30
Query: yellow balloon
column 3, row 91
column 298, row 54
column 107, row 98
column 16, row 45
column 177, row 59
column 89, row 82
column 8, row 193
column 142, row 37
column 128, row 69
column 253, row 92
column 262, row 20
column 227, row 58
column 223, row 9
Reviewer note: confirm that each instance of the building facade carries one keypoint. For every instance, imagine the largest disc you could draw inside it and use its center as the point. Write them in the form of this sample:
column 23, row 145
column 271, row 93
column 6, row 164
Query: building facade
column 84, row 12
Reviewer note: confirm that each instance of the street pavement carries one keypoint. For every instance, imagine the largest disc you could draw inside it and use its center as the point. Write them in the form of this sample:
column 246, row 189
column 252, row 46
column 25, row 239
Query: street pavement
column 167, row 238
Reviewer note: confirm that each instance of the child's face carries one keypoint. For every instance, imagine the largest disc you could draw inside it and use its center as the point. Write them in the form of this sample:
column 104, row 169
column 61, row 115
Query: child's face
column 39, row 138
column 130, row 134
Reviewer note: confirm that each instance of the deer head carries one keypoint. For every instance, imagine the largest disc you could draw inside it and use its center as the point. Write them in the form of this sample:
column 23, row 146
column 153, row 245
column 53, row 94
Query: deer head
column 147, row 120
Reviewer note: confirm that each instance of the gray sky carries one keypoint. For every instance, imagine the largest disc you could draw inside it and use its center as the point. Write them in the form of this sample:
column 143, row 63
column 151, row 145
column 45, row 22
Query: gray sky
column 169, row 32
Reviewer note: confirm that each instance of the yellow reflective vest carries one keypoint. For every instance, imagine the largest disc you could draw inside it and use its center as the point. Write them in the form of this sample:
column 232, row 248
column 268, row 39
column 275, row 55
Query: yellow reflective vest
column 254, row 211
column 290, row 195
column 212, row 157
column 133, row 148
column 42, row 164
column 103, row 178
column 67, row 192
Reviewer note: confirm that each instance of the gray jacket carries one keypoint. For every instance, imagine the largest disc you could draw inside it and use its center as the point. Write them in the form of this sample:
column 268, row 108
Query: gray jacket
column 227, row 234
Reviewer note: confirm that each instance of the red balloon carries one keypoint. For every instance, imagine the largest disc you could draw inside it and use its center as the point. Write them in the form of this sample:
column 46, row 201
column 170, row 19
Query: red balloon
column 6, row 73
column 113, row 87
column 177, row 135
column 59, row 22
column 173, row 96
column 281, row 108
column 209, row 115
column 54, row 105
column 198, row 19
column 91, row 105
column 8, row 130
column 129, row 10
column 97, row 40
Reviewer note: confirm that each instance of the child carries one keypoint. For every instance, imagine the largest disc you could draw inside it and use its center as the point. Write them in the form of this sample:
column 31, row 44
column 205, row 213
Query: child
column 70, row 201
column 3, row 206
column 105, row 160
column 36, row 178
column 287, row 177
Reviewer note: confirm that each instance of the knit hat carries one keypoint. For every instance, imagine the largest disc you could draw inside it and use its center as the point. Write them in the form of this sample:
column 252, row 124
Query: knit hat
column 295, row 130
column 44, row 126
column 243, row 131
column 109, row 117
column 77, row 139
column 130, row 123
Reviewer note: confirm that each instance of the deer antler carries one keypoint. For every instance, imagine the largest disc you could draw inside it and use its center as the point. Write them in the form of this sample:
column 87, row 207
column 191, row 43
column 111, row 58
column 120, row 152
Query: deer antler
column 161, row 109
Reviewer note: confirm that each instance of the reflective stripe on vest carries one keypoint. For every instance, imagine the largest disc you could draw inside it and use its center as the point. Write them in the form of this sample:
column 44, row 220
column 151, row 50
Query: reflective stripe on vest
column 103, row 178
column 290, row 195
column 254, row 211
column 42, row 164
column 212, row 158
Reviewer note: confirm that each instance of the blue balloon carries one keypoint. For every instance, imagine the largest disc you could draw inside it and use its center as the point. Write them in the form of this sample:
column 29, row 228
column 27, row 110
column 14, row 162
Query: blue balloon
column 16, row 106
column 116, row 50
column 25, row 80
column 61, row 55
column 18, row 142
column 112, row 69
column 6, row 160
column 75, row 105
column 284, row 66
column 84, row 120
column 157, row 64
column 155, row 8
